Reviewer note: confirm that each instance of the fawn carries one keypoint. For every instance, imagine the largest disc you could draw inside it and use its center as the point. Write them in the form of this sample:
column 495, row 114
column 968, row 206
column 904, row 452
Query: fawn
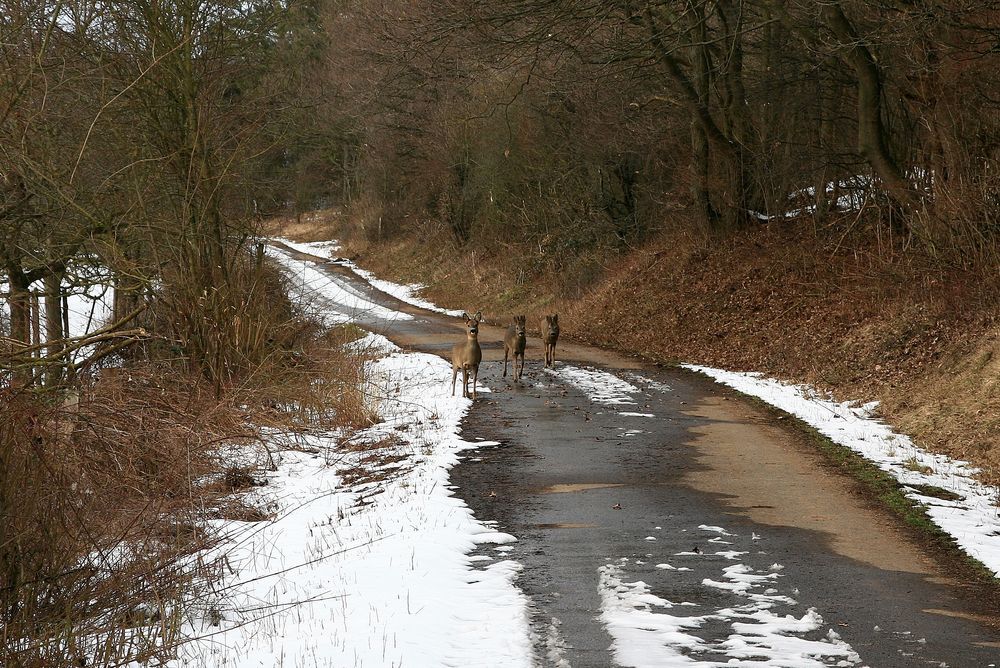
column 467, row 355
column 513, row 344
column 550, row 334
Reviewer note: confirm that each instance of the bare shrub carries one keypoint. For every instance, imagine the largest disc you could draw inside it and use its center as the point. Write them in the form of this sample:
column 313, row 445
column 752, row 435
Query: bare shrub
column 94, row 499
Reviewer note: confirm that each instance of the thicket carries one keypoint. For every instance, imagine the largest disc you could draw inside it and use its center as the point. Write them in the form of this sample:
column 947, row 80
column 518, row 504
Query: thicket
column 570, row 128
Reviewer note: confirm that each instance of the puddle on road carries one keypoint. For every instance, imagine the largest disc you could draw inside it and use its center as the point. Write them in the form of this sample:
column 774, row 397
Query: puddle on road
column 579, row 487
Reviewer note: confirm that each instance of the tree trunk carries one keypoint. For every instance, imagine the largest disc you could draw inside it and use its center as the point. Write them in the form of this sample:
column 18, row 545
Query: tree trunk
column 821, row 175
column 54, row 333
column 36, row 328
column 20, row 306
column 701, row 83
column 872, row 142
column 738, row 126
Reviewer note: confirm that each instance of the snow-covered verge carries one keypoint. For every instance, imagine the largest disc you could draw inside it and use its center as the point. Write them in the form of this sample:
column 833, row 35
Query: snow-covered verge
column 404, row 293
column 330, row 302
column 970, row 513
column 369, row 571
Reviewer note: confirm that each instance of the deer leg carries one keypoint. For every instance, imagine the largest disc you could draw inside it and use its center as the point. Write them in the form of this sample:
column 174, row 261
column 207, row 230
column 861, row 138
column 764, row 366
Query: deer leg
column 465, row 382
column 454, row 374
column 505, row 363
column 475, row 379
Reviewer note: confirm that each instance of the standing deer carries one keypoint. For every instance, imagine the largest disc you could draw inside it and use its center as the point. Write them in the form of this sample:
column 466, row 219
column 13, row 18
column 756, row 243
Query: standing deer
column 513, row 344
column 550, row 334
column 467, row 355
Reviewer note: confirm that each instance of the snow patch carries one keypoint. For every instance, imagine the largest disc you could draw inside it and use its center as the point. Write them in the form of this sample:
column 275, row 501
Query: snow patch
column 645, row 634
column 325, row 297
column 600, row 386
column 369, row 575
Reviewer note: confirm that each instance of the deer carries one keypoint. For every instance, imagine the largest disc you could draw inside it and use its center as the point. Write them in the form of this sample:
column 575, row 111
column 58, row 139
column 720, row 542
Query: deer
column 513, row 344
column 550, row 334
column 467, row 355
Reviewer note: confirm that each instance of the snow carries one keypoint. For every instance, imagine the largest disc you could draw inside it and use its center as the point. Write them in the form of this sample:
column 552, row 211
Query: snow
column 323, row 249
column 404, row 293
column 327, row 298
column 600, row 386
column 853, row 192
column 89, row 309
column 555, row 645
column 378, row 574
column 972, row 519
column 648, row 630
column 714, row 529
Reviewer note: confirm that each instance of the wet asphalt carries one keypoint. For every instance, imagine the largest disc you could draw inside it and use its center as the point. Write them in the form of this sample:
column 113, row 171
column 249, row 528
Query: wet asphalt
column 583, row 487
column 552, row 435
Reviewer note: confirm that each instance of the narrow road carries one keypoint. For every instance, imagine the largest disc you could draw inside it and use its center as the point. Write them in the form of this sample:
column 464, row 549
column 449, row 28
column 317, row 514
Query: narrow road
column 662, row 520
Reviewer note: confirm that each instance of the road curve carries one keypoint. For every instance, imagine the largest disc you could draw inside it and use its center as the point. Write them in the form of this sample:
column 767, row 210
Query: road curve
column 662, row 520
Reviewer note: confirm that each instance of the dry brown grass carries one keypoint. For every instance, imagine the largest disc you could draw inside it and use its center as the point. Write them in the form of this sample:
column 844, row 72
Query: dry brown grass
column 309, row 226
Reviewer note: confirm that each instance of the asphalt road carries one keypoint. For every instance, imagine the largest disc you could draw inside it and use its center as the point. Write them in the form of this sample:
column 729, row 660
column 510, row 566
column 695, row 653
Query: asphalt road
column 672, row 488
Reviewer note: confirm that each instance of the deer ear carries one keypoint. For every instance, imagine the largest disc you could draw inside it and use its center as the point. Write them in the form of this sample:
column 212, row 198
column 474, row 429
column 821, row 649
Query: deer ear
column 466, row 316
column 555, row 318
column 479, row 316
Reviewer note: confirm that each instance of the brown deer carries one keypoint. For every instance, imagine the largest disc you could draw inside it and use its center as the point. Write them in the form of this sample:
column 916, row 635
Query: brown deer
column 550, row 334
column 467, row 355
column 513, row 344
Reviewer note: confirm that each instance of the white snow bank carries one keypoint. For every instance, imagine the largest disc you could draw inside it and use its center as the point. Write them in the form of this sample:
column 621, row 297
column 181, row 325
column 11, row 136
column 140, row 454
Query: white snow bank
column 374, row 574
column 972, row 518
column 404, row 293
column 356, row 577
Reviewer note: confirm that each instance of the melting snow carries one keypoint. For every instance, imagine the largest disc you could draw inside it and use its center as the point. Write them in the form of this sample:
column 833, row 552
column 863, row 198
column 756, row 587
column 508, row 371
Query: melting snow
column 327, row 298
column 646, row 632
column 600, row 386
